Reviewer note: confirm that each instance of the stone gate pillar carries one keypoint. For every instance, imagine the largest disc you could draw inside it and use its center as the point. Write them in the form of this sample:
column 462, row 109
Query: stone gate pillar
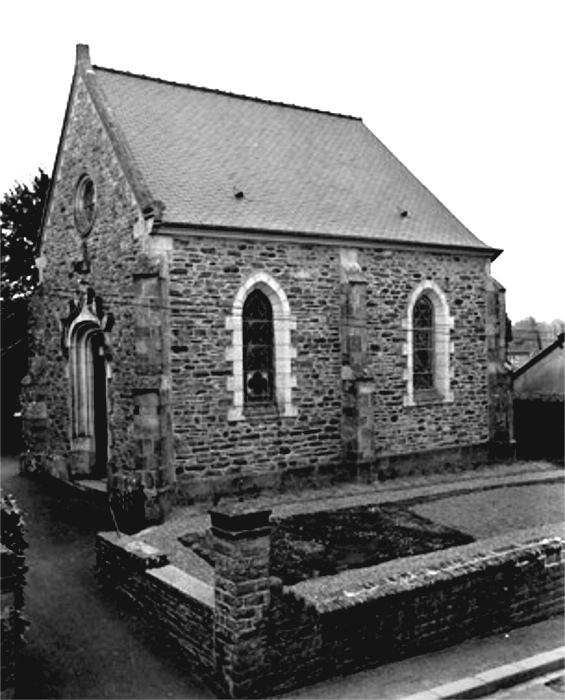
column 243, row 596
column 356, row 376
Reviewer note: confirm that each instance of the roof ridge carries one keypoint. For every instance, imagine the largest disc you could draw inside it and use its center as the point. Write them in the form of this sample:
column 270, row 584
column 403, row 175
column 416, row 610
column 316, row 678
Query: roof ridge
column 227, row 93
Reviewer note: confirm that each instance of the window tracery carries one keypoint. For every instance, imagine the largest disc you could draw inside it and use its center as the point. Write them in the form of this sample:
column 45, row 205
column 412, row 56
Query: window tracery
column 423, row 344
column 258, row 366
column 261, row 351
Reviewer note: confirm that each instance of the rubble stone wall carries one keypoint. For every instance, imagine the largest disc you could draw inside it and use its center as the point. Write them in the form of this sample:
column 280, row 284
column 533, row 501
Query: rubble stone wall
column 412, row 606
column 117, row 265
column 246, row 635
column 206, row 275
column 175, row 602
column 108, row 256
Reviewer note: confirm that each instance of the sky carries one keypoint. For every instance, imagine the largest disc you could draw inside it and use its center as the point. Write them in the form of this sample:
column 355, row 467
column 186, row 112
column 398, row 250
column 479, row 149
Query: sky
column 468, row 94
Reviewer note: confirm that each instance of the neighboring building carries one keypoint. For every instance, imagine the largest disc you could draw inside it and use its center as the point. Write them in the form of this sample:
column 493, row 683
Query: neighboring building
column 528, row 337
column 240, row 294
column 542, row 378
column 539, row 388
column 525, row 344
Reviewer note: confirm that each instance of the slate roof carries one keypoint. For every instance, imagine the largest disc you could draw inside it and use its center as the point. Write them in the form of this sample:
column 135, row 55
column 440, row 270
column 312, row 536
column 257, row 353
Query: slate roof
column 300, row 170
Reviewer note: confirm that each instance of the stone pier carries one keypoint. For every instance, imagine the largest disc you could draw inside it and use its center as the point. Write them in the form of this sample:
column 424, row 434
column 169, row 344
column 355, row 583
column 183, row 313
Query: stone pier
column 242, row 596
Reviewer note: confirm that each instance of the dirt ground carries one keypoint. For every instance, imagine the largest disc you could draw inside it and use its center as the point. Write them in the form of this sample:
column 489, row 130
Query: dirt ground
column 324, row 543
column 309, row 539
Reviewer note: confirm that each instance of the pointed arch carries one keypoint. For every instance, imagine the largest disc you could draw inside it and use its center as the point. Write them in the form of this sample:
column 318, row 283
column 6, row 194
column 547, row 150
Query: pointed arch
column 261, row 287
column 258, row 349
column 88, row 375
column 428, row 346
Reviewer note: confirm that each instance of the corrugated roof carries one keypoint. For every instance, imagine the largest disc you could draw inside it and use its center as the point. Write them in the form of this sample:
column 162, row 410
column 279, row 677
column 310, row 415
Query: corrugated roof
column 299, row 170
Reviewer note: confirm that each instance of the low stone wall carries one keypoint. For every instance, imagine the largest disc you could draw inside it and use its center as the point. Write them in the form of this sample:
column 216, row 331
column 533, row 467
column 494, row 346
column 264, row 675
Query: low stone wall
column 368, row 617
column 180, row 604
column 249, row 636
column 13, row 568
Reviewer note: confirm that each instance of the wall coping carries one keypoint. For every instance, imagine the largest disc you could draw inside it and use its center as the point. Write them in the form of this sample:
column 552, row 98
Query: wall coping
column 184, row 583
column 145, row 554
column 358, row 586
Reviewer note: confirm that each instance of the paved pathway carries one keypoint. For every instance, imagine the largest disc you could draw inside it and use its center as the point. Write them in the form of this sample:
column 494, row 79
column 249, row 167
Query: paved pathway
column 494, row 512
column 81, row 643
column 549, row 687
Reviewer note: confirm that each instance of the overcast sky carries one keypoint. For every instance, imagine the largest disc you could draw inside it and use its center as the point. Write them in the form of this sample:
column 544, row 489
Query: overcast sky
column 468, row 94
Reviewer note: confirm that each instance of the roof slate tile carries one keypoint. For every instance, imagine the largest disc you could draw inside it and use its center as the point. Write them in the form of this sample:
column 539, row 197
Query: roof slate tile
column 300, row 170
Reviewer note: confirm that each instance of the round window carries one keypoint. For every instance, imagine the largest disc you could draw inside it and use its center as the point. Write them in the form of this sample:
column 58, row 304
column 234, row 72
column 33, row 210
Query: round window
column 85, row 205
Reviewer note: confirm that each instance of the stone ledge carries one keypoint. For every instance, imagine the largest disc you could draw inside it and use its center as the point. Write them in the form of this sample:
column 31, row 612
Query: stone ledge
column 357, row 586
column 144, row 554
column 184, row 583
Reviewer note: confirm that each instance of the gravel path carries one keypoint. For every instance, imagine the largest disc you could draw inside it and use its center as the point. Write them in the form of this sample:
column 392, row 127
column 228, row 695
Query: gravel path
column 490, row 513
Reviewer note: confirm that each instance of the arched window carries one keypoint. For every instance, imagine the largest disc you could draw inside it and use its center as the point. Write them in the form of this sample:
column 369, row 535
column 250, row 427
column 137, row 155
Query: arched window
column 423, row 343
column 261, row 351
column 258, row 350
column 428, row 346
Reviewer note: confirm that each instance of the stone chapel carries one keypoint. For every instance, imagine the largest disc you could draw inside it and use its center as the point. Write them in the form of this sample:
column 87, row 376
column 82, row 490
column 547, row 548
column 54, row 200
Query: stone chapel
column 240, row 295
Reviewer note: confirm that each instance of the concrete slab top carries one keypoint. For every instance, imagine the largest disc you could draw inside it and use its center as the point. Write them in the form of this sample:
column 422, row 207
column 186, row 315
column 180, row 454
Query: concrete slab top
column 184, row 583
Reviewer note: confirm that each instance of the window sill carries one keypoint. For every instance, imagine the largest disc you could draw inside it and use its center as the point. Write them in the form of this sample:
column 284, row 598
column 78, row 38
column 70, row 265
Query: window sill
column 261, row 409
column 430, row 397
column 427, row 396
column 258, row 413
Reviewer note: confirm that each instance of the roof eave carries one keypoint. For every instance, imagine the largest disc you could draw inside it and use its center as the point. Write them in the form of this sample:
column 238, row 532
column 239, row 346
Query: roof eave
column 175, row 228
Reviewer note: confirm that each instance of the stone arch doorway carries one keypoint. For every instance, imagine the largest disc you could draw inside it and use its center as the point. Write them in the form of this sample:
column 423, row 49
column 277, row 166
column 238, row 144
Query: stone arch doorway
column 89, row 400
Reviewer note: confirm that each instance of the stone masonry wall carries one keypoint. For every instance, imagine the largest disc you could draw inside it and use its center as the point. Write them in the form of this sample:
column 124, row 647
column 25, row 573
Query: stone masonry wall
column 178, row 604
column 248, row 636
column 391, row 276
column 500, row 378
column 114, row 261
column 112, row 257
column 205, row 277
column 321, row 628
